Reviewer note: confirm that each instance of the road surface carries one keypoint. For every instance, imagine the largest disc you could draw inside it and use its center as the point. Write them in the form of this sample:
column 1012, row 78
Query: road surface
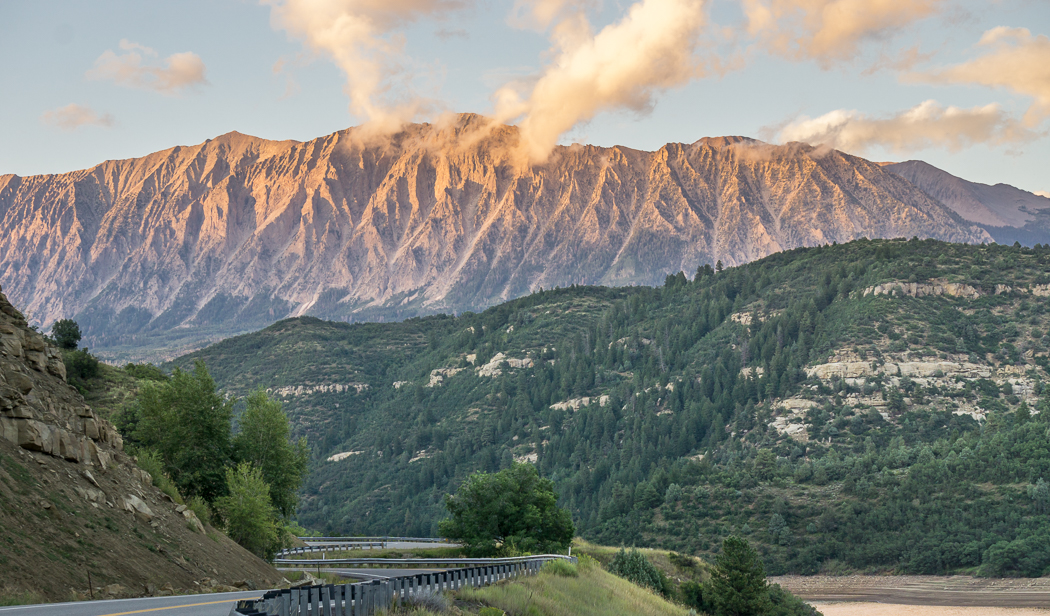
column 217, row 604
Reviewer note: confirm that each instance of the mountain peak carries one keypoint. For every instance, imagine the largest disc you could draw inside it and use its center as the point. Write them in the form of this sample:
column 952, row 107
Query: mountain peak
column 729, row 140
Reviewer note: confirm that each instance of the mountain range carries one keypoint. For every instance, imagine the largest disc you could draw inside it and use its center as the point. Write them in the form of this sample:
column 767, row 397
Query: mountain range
column 161, row 254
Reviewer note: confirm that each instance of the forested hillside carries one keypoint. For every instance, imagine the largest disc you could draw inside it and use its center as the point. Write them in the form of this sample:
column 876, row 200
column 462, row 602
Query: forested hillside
column 872, row 405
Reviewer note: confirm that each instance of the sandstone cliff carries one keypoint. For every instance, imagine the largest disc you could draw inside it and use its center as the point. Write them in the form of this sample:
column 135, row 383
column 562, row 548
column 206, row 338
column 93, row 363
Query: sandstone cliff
column 71, row 502
column 238, row 232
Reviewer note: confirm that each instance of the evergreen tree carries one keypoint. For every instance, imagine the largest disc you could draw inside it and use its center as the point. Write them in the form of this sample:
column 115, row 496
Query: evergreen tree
column 66, row 334
column 739, row 581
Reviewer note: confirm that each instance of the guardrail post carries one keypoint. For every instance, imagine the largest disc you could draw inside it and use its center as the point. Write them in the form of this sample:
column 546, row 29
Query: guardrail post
column 326, row 601
column 370, row 597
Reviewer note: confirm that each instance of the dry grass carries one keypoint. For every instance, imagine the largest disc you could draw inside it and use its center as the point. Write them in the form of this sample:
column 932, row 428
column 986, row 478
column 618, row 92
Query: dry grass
column 594, row 592
column 14, row 596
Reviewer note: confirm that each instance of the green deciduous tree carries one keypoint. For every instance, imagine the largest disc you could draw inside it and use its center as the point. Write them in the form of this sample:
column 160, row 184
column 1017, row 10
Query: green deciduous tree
column 738, row 582
column 188, row 423
column 514, row 509
column 249, row 514
column 263, row 441
column 66, row 333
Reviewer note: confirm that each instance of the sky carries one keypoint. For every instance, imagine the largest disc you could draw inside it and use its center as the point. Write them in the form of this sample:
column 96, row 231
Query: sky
column 961, row 84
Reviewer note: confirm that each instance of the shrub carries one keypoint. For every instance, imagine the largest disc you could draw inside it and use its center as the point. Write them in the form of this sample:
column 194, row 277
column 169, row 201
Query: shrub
column 634, row 567
column 429, row 600
column 560, row 567
column 80, row 366
column 149, row 461
column 682, row 561
column 200, row 509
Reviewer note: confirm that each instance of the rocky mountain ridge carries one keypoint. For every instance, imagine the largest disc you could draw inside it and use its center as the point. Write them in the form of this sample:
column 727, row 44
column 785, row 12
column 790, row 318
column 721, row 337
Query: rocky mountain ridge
column 1008, row 213
column 238, row 232
column 73, row 504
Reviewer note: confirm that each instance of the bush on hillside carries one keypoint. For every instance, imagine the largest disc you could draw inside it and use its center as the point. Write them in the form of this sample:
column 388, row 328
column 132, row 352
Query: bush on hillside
column 560, row 567
column 634, row 567
column 81, row 366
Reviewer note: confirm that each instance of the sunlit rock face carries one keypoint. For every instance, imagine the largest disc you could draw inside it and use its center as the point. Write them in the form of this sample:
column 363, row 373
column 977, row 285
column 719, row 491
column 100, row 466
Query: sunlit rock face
column 238, row 232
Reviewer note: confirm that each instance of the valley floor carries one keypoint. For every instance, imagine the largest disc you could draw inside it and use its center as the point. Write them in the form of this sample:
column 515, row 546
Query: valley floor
column 920, row 595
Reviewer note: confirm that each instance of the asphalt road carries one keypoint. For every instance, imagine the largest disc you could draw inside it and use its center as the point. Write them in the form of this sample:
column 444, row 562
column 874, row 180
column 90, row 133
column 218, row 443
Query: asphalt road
column 218, row 604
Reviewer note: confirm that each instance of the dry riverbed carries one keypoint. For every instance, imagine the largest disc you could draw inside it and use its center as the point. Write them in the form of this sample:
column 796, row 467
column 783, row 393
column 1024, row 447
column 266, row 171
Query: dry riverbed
column 920, row 595
column 889, row 609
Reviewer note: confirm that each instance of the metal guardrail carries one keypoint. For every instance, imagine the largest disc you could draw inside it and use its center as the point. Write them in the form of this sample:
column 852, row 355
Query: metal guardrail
column 375, row 539
column 366, row 598
column 340, row 544
column 338, row 547
column 454, row 562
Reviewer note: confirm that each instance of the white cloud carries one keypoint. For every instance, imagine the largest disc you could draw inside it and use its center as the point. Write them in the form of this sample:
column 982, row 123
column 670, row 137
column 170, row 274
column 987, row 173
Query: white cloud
column 1015, row 59
column 361, row 37
column 830, row 30
column 1043, row 193
column 623, row 66
column 926, row 125
column 73, row 116
column 137, row 66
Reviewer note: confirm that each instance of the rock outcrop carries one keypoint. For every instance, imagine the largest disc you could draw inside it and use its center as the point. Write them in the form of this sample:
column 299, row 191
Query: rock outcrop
column 38, row 412
column 238, row 232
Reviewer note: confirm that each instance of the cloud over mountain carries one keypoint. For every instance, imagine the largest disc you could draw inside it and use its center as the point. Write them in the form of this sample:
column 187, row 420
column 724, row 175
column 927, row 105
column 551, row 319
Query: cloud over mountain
column 138, row 66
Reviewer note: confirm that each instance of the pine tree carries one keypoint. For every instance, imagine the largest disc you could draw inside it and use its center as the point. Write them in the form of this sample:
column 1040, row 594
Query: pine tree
column 739, row 580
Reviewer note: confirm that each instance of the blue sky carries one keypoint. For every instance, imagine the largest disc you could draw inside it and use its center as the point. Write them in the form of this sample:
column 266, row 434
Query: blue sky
column 87, row 82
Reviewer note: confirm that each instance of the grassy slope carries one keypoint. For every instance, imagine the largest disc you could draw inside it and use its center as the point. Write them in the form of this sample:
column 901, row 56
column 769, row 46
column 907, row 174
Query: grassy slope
column 594, row 592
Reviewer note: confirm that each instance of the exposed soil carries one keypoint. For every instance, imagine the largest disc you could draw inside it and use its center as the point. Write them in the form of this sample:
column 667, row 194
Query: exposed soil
column 919, row 590
column 51, row 536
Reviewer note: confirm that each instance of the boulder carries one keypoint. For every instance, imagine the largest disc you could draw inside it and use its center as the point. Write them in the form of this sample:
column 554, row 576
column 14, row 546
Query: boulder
column 193, row 521
column 10, row 343
column 37, row 359
column 138, row 507
column 34, row 435
column 91, row 429
column 19, row 381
